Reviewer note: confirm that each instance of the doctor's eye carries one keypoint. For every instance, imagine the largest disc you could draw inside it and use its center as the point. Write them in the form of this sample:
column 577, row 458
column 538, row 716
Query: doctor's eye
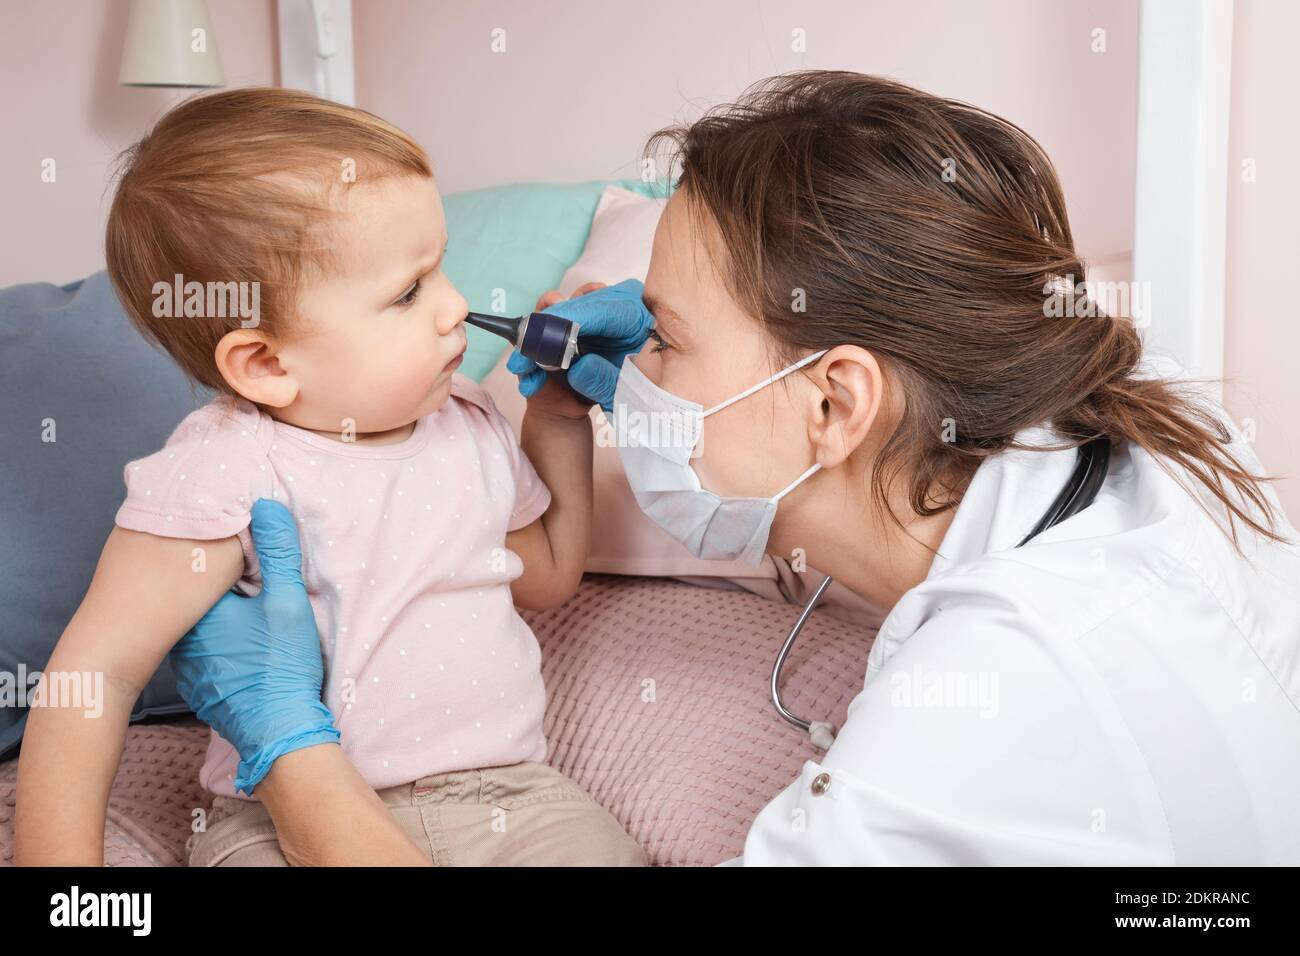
column 659, row 342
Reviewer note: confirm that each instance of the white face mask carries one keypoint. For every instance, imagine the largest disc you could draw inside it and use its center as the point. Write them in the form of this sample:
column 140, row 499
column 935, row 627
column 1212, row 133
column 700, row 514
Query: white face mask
column 657, row 436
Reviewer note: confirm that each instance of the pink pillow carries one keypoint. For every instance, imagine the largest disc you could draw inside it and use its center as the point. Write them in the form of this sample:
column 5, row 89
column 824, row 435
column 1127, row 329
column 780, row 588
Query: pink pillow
column 624, row 540
column 658, row 706
column 619, row 243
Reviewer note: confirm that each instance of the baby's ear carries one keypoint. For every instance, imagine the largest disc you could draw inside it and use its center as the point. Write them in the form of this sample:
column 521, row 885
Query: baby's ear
column 247, row 361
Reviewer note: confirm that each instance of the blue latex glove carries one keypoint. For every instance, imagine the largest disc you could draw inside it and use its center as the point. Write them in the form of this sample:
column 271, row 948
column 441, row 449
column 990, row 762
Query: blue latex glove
column 614, row 324
column 251, row 668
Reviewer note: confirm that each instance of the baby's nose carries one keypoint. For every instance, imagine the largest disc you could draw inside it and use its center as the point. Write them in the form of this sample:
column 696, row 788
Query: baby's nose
column 454, row 316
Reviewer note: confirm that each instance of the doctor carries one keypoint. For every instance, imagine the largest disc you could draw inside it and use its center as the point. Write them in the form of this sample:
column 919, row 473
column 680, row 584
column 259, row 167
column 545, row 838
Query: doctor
column 864, row 326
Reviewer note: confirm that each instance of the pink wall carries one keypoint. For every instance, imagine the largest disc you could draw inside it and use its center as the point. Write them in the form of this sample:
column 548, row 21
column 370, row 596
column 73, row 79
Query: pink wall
column 575, row 95
column 59, row 98
column 1262, row 352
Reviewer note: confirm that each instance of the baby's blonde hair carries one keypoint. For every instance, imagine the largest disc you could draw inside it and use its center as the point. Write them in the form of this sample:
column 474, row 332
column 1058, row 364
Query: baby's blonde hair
column 234, row 187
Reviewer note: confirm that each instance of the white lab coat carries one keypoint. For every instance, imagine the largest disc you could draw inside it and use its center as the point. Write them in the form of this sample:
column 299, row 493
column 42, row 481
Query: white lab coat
column 1124, row 689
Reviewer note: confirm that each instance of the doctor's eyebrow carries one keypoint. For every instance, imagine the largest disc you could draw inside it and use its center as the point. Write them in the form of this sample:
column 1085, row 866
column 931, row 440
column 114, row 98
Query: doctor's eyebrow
column 661, row 311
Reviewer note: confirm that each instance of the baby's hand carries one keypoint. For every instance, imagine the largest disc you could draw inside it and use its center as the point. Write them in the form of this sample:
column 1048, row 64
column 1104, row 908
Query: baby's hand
column 549, row 299
column 554, row 397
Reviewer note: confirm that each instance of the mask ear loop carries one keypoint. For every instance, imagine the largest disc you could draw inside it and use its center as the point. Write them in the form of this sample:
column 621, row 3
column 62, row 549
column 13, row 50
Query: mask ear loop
column 766, row 382
column 796, row 483
column 806, row 360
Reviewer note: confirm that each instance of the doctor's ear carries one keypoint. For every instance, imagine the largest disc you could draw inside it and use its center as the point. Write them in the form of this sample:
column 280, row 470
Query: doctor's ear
column 247, row 361
column 850, row 390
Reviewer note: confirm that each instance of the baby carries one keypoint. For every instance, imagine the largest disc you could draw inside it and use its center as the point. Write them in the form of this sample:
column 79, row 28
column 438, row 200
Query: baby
column 287, row 252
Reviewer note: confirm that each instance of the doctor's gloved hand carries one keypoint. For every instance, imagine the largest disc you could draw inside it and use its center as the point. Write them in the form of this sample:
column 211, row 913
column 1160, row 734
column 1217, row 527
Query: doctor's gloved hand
column 614, row 324
column 251, row 668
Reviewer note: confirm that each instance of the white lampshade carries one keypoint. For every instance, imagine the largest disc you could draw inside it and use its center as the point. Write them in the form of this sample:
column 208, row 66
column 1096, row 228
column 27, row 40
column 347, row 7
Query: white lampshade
column 170, row 43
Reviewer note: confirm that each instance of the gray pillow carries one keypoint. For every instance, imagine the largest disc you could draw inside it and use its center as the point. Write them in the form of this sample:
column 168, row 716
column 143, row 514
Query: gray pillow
column 69, row 354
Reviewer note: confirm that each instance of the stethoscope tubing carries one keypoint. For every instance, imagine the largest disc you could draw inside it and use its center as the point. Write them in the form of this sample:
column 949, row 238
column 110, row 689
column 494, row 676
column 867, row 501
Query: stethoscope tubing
column 781, row 709
column 1084, row 483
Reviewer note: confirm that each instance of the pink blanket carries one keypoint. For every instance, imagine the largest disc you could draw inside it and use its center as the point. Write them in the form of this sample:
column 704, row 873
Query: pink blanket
column 658, row 706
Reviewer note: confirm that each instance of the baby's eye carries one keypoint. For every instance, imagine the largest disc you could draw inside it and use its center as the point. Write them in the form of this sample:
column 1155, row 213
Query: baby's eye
column 659, row 342
column 410, row 295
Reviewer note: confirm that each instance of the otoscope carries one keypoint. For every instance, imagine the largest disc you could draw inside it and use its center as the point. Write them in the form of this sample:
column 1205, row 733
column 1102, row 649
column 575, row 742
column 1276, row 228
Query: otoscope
column 549, row 340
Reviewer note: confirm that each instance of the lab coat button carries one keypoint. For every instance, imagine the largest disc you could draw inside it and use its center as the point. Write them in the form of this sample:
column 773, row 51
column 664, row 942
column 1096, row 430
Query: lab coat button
column 821, row 783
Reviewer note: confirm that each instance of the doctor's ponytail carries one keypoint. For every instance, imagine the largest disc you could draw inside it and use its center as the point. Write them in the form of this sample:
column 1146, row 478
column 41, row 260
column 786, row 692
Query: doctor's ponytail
column 935, row 235
column 1169, row 420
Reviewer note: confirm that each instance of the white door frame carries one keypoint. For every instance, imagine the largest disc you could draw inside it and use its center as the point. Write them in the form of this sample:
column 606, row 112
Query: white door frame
column 1184, row 77
column 316, row 47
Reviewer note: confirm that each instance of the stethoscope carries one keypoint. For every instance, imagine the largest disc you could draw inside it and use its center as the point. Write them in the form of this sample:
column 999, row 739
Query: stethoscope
column 1084, row 483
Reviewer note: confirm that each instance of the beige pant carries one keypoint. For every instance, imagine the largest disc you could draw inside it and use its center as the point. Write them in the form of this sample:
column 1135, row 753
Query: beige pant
column 523, row 815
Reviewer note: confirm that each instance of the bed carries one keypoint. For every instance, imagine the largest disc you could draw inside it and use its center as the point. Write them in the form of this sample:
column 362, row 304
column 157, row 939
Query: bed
column 658, row 707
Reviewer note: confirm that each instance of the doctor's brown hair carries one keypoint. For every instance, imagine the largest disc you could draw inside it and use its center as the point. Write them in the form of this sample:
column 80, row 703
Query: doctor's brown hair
column 833, row 183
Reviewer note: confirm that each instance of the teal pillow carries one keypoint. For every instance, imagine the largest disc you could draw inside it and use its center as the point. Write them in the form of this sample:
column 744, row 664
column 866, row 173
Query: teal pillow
column 509, row 244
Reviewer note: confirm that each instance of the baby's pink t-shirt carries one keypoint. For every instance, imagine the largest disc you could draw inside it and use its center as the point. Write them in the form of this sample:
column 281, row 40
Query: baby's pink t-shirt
column 428, row 667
